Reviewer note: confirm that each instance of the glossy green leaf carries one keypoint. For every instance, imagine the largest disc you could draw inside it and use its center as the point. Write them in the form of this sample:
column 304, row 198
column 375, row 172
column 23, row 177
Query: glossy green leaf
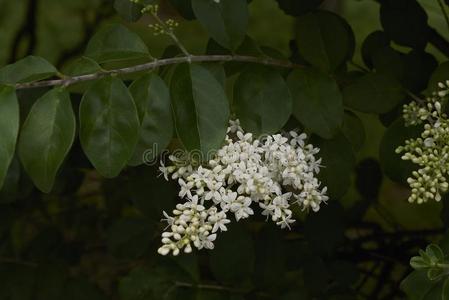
column 262, row 100
column 225, row 265
column 82, row 66
column 152, row 100
column 115, row 42
column 9, row 128
column 324, row 40
column 109, row 125
column 317, row 101
column 28, row 69
column 373, row 93
column 200, row 107
column 218, row 71
column 46, row 137
column 225, row 21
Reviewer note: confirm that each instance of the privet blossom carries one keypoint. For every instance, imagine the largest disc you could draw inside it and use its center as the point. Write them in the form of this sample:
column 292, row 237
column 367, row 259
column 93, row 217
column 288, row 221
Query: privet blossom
column 430, row 151
column 274, row 173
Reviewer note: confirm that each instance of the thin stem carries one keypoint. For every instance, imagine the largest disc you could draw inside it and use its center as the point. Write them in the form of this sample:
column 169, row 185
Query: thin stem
column 443, row 10
column 67, row 81
column 170, row 33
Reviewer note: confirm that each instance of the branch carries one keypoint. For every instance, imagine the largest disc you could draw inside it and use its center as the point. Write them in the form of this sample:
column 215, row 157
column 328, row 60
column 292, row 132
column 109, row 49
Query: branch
column 67, row 81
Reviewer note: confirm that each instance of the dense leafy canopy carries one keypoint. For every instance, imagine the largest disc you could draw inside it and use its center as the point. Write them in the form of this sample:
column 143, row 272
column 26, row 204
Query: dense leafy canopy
column 83, row 128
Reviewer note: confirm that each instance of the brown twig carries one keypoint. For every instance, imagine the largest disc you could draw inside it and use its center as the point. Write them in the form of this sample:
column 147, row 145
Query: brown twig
column 67, row 81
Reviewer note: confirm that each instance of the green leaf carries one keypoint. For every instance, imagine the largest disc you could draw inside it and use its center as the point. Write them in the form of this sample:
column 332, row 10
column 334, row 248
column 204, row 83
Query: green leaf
column 46, row 137
column 417, row 285
column 298, row 7
column 435, row 252
column 405, row 22
column 373, row 93
column 200, row 107
column 109, row 125
column 389, row 61
column 30, row 68
column 373, row 42
column 417, row 262
column 339, row 160
column 435, row 273
column 317, row 101
column 9, row 128
column 226, row 21
column 218, row 71
column 115, row 42
column 392, row 164
column 152, row 100
column 82, row 66
column 262, row 100
column 353, row 130
column 324, row 40
column 224, row 264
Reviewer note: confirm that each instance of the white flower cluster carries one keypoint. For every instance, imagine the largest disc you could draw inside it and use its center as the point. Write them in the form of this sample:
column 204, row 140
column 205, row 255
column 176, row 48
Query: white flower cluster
column 430, row 151
column 274, row 172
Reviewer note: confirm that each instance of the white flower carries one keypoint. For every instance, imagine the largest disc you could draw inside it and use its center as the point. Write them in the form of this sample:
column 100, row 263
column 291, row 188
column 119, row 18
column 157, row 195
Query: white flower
column 219, row 220
column 241, row 207
column 164, row 170
column 244, row 170
column 185, row 188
